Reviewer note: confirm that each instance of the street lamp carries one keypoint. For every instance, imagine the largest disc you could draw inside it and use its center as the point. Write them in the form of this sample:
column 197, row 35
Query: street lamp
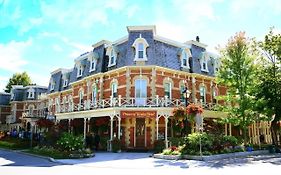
column 186, row 93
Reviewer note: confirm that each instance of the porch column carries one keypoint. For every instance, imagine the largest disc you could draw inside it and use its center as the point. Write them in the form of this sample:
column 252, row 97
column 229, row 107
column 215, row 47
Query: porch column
column 230, row 130
column 85, row 129
column 157, row 127
column 111, row 127
column 166, row 130
column 119, row 127
column 225, row 129
column 88, row 124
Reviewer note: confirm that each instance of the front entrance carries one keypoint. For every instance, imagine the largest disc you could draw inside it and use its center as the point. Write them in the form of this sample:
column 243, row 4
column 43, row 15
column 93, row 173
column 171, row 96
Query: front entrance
column 140, row 132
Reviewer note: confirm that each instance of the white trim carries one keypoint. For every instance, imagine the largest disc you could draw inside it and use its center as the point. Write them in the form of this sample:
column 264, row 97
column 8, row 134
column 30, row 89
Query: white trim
column 110, row 52
column 170, row 42
column 31, row 93
column 65, row 82
column 95, row 64
column 136, row 43
column 204, row 59
column 100, row 43
column 79, row 67
column 142, row 28
column 188, row 55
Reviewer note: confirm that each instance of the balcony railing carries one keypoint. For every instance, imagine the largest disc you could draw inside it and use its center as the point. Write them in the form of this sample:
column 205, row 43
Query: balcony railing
column 126, row 102
column 31, row 115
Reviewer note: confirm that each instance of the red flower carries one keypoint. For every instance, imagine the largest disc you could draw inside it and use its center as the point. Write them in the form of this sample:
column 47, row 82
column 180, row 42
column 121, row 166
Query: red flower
column 194, row 109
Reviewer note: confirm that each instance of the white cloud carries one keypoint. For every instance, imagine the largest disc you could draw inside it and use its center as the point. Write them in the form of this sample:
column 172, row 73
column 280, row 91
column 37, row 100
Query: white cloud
column 3, row 82
column 132, row 10
column 12, row 55
column 57, row 48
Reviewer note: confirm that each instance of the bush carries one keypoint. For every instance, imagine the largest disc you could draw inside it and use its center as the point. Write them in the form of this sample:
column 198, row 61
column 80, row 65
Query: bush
column 16, row 143
column 173, row 150
column 175, row 141
column 229, row 140
column 159, row 146
column 50, row 152
column 70, row 143
column 116, row 145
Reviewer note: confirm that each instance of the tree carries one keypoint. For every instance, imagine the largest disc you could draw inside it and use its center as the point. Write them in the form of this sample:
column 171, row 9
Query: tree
column 269, row 87
column 237, row 72
column 18, row 79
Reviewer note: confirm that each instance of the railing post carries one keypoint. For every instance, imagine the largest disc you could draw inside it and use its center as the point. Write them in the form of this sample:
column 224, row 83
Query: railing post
column 103, row 103
column 166, row 100
column 119, row 100
column 111, row 101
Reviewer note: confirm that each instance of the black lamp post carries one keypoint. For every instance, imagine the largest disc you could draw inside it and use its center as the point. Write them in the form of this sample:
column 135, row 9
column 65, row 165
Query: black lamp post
column 186, row 95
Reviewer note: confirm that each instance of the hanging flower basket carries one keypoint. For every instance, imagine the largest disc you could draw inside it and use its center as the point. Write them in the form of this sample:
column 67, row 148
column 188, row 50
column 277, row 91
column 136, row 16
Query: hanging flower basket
column 45, row 123
column 193, row 109
column 179, row 113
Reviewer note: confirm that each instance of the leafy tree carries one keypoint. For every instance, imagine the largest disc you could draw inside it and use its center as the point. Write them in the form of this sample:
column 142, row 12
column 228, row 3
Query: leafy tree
column 18, row 79
column 269, row 87
column 237, row 72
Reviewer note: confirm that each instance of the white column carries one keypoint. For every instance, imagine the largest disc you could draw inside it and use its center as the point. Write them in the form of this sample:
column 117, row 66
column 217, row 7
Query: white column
column 111, row 127
column 119, row 127
column 88, row 124
column 230, row 130
column 166, row 130
column 69, row 127
column 85, row 128
column 157, row 127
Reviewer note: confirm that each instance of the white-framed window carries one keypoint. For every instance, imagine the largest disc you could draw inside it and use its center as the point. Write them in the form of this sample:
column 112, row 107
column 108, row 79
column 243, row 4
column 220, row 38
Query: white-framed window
column 202, row 91
column 30, row 110
column 81, row 95
column 30, row 93
column 53, row 83
column 140, row 45
column 215, row 92
column 168, row 89
column 185, row 54
column 114, row 89
column 65, row 82
column 57, row 105
column 80, row 69
column 93, row 63
column 140, row 92
column 204, row 62
column 112, row 56
column 70, row 103
column 94, row 93
column 182, row 95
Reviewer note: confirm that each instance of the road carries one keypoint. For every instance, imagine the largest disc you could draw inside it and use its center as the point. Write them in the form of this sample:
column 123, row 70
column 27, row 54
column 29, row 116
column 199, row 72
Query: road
column 131, row 163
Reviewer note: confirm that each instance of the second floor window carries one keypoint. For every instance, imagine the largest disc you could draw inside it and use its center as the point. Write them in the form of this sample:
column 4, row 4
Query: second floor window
column 94, row 94
column 168, row 90
column 114, row 90
column 202, row 94
column 81, row 94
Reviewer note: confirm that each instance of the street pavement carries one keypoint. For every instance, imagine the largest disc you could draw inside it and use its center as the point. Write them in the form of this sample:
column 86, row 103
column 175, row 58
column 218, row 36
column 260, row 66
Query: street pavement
column 134, row 163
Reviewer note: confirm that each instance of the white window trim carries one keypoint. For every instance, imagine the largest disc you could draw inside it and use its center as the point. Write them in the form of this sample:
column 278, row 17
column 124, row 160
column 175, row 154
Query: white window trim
column 81, row 98
column 31, row 93
column 136, row 45
column 91, row 63
column 110, row 50
column 203, row 60
column 80, row 67
column 188, row 54
column 65, row 82
column 170, row 88
column 202, row 86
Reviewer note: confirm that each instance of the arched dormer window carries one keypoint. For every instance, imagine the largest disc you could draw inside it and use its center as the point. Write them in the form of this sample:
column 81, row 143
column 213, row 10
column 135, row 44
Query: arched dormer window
column 52, row 84
column 111, row 53
column 185, row 55
column 65, row 78
column 80, row 69
column 204, row 62
column 30, row 93
column 93, row 61
column 140, row 45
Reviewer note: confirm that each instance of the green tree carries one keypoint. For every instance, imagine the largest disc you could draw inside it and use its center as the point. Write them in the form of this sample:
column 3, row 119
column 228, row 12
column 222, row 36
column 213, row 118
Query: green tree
column 237, row 72
column 18, row 79
column 269, row 87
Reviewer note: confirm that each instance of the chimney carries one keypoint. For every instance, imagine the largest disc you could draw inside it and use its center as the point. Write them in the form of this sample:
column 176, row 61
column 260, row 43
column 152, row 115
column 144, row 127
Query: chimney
column 197, row 39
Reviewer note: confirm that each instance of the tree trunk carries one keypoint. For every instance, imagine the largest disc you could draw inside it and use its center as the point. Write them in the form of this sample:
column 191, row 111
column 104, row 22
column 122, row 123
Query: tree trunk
column 274, row 131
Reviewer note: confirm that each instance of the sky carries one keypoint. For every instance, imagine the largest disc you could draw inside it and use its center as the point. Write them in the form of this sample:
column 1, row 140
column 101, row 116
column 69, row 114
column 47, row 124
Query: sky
column 39, row 36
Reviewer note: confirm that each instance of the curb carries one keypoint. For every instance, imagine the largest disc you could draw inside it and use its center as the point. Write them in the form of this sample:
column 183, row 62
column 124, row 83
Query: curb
column 30, row 154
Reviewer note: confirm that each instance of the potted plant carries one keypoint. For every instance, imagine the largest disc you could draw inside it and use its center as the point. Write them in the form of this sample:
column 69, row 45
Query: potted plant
column 116, row 145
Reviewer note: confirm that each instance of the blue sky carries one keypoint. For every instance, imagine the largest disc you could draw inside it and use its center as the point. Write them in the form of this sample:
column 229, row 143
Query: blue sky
column 41, row 36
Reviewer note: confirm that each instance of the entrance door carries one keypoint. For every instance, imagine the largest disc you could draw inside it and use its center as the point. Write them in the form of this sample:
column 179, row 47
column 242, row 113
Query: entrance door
column 140, row 132
column 140, row 92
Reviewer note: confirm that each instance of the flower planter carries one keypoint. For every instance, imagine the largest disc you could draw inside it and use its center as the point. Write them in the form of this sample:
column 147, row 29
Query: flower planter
column 79, row 156
column 167, row 157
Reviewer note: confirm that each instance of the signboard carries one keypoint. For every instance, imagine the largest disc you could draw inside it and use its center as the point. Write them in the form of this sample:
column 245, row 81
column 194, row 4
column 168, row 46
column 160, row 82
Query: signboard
column 139, row 114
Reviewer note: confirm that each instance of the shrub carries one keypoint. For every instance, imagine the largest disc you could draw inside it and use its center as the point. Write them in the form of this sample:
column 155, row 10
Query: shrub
column 116, row 145
column 173, row 150
column 69, row 142
column 175, row 141
column 229, row 140
column 159, row 145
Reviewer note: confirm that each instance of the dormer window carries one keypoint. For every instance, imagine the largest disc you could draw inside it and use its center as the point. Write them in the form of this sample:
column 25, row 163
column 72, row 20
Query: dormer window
column 31, row 93
column 53, row 83
column 93, row 63
column 79, row 70
column 65, row 82
column 112, row 56
column 140, row 46
column 204, row 62
column 185, row 54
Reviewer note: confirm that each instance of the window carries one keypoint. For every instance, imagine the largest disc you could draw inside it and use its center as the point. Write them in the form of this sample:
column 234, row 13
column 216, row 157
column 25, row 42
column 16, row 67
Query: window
column 114, row 89
column 57, row 105
column 140, row 45
column 30, row 93
column 79, row 70
column 93, row 64
column 53, row 83
column 81, row 94
column 94, row 94
column 112, row 56
column 140, row 92
column 182, row 95
column 215, row 94
column 65, row 82
column 70, row 103
column 30, row 110
column 168, row 90
column 184, row 59
column 204, row 62
column 202, row 94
